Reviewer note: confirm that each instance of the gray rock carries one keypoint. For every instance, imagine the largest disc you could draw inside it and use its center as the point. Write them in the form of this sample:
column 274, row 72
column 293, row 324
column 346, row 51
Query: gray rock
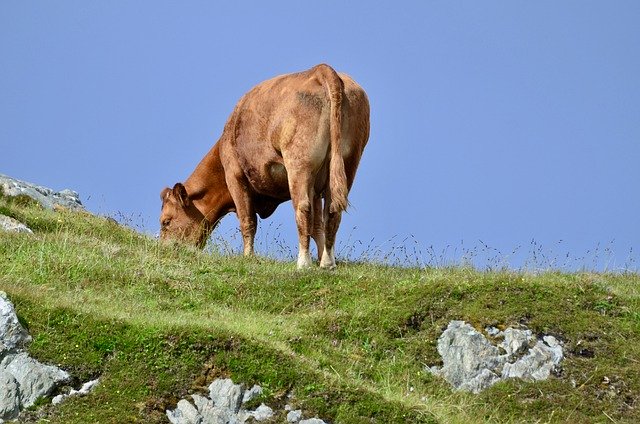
column 34, row 378
column 493, row 331
column 9, row 397
column 466, row 353
column 202, row 403
column 58, row 399
column 516, row 341
column 12, row 334
column 294, row 416
column 87, row 387
column 225, row 394
column 538, row 363
column 472, row 363
column 312, row 421
column 252, row 393
column 45, row 196
column 13, row 226
column 84, row 390
column 219, row 415
column 185, row 413
column 224, row 407
column 262, row 413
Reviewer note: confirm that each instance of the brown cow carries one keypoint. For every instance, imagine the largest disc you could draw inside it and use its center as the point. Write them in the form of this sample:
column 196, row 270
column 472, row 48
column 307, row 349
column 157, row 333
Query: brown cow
column 297, row 136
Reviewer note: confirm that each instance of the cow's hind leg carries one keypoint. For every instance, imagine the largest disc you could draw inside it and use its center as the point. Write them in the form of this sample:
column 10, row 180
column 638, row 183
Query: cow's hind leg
column 318, row 226
column 302, row 199
column 332, row 222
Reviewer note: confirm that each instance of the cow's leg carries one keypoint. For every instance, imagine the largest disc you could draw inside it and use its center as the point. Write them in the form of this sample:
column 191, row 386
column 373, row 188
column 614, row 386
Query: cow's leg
column 304, row 220
column 332, row 222
column 302, row 199
column 318, row 226
column 246, row 213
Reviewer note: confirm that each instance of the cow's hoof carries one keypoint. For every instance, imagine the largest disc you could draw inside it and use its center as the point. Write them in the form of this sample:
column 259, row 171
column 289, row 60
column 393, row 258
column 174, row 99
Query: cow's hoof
column 304, row 262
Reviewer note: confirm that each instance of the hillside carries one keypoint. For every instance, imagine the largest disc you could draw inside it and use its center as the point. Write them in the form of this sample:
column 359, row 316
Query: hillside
column 157, row 323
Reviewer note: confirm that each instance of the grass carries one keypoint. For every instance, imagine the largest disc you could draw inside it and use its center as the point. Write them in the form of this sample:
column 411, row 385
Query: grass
column 158, row 322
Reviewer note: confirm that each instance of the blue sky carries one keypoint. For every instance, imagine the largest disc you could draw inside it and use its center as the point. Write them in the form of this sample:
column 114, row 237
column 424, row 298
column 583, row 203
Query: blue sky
column 492, row 123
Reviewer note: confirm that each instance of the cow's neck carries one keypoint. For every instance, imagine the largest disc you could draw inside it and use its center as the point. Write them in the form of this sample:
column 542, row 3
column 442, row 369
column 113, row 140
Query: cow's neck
column 208, row 190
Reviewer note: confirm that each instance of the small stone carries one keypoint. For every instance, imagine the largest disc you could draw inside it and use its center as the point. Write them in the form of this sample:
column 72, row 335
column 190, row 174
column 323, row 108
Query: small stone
column 312, row 421
column 252, row 393
column 88, row 386
column 493, row 331
column 262, row 413
column 58, row 399
column 294, row 416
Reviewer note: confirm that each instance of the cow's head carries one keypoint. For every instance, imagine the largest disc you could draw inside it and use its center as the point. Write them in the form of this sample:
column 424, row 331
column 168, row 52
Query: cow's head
column 180, row 220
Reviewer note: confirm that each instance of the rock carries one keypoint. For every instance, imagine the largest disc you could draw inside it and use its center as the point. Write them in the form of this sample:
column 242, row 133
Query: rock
column 493, row 331
column 516, row 341
column 225, row 394
column 224, row 407
column 22, row 379
column 252, row 393
column 9, row 397
column 45, row 196
column 13, row 226
column 84, row 390
column 538, row 363
column 262, row 413
column 312, row 421
column 58, row 399
column 219, row 415
column 466, row 353
column 294, row 416
column 12, row 334
column 473, row 363
column 34, row 378
column 87, row 387
column 185, row 413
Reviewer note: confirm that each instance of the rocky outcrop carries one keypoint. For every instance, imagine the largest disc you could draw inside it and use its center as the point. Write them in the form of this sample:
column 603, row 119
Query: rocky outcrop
column 225, row 406
column 473, row 362
column 48, row 198
column 23, row 380
column 13, row 226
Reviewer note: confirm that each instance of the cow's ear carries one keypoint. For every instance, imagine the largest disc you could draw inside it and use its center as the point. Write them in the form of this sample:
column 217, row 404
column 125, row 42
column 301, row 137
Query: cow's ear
column 164, row 194
column 180, row 193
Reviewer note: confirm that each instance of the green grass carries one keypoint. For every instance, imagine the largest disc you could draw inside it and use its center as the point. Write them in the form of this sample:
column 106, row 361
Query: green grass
column 159, row 322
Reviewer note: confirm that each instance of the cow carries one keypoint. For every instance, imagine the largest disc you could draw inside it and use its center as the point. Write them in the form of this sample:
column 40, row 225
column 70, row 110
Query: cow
column 294, row 137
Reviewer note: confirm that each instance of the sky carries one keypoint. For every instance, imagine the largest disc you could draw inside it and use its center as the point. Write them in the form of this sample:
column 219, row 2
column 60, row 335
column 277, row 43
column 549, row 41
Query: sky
column 502, row 132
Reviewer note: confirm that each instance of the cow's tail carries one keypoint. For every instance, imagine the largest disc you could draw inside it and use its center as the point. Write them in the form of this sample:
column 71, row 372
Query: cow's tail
column 338, row 189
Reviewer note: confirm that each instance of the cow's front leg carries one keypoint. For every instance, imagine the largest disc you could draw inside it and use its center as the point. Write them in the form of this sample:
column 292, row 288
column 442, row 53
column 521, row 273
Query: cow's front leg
column 245, row 211
column 248, row 225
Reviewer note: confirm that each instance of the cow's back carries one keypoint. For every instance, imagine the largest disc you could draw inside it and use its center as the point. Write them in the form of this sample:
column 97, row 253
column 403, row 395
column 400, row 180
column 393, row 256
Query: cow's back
column 289, row 115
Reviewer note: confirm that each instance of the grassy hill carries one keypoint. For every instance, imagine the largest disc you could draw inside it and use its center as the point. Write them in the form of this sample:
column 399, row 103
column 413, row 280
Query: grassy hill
column 350, row 346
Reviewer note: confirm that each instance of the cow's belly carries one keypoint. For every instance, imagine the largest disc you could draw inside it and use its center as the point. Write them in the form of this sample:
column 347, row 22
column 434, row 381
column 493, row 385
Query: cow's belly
column 268, row 177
